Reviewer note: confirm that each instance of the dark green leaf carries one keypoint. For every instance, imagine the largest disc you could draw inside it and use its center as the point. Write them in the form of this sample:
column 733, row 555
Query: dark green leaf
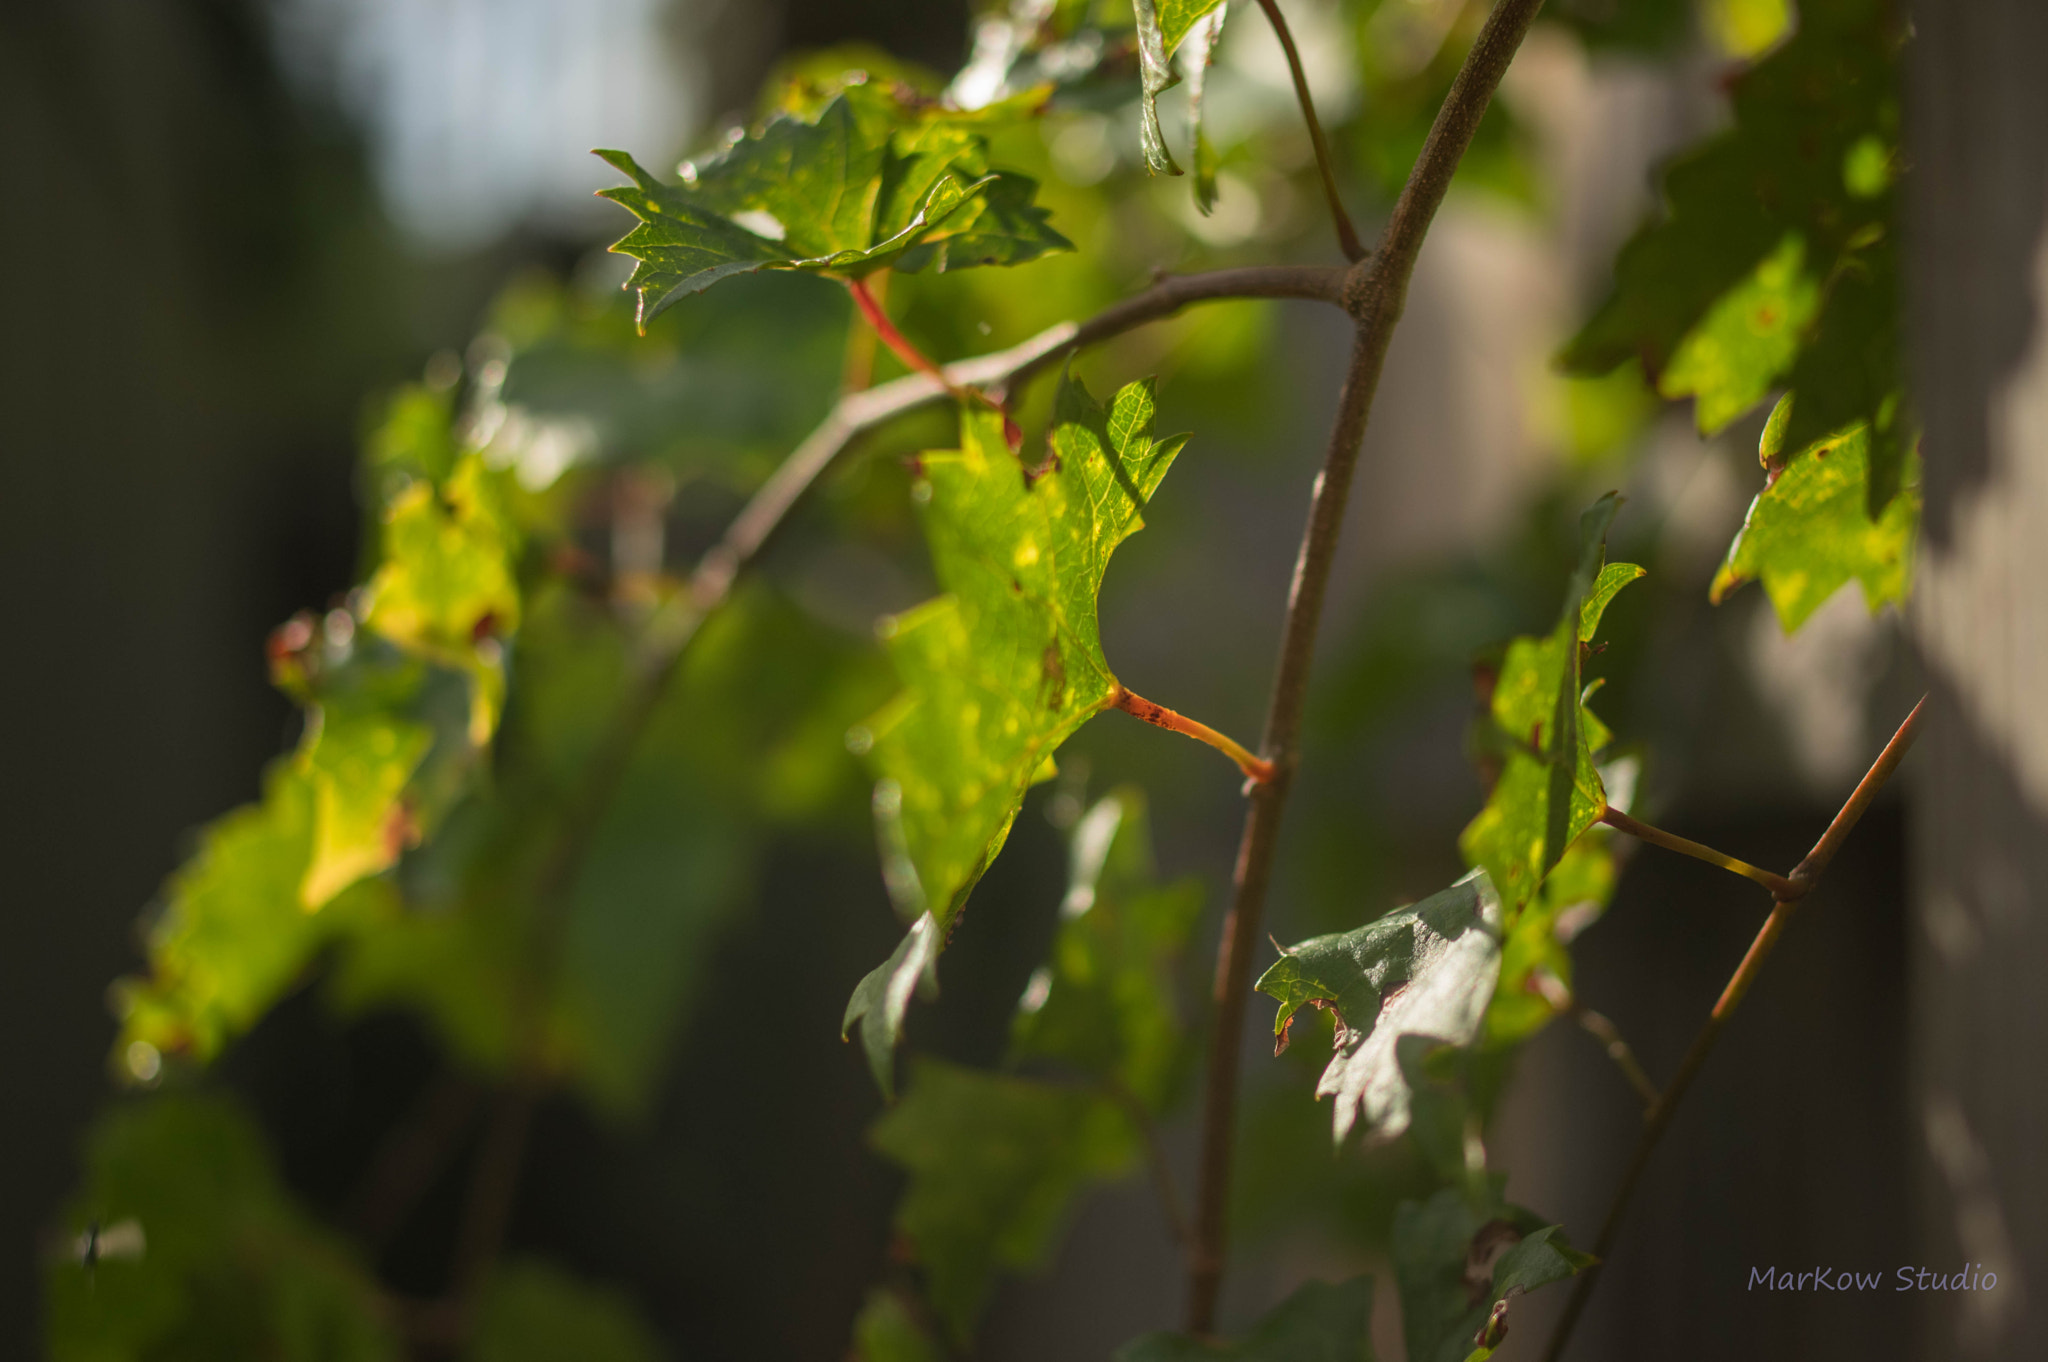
column 993, row 1162
column 1426, row 970
column 1809, row 531
column 203, row 1252
column 1001, row 670
column 1455, row 1261
column 1104, row 1004
column 1774, row 260
column 1320, row 1322
column 530, row 1312
column 863, row 185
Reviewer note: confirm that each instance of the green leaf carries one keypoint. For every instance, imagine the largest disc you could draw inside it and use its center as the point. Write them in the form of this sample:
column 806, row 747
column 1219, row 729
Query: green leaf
column 1456, row 1262
column 886, row 1330
column 1103, row 1005
column 530, row 1312
column 1006, row 666
column 1426, row 970
column 993, row 1162
column 1775, row 259
column 1177, row 19
column 871, row 181
column 1747, row 339
column 203, row 1252
column 1572, row 896
column 614, row 956
column 1319, row 1322
column 1155, row 77
column 1548, row 791
column 1203, row 33
column 1809, row 531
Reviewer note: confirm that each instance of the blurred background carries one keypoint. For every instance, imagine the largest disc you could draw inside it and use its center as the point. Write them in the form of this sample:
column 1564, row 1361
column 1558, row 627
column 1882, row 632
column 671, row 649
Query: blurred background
column 232, row 226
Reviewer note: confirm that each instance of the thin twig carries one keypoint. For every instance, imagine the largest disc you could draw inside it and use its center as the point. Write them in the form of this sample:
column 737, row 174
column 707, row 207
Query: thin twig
column 1553, row 991
column 1375, row 291
column 1804, row 878
column 492, row 1187
column 1780, row 887
column 1163, row 1185
column 1347, row 235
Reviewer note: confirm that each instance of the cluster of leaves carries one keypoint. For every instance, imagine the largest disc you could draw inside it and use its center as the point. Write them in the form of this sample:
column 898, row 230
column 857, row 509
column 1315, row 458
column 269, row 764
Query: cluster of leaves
column 1097, row 1051
column 1776, row 267
column 1002, row 669
column 508, row 813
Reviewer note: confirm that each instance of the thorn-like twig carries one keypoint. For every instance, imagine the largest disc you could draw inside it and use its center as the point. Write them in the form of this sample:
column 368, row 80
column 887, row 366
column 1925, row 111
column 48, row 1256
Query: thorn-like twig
column 1130, row 702
column 1781, row 888
column 1803, row 878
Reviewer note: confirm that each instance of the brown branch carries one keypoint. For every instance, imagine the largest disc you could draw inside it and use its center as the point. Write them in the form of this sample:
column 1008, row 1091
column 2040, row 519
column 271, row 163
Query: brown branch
column 1803, row 878
column 1347, row 235
column 1130, row 702
column 1375, row 291
column 1780, row 887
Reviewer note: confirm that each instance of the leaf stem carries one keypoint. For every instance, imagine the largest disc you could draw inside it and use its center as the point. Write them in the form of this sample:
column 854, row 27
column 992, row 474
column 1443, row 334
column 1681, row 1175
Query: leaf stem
column 1803, row 879
column 1130, row 702
column 1347, row 235
column 878, row 318
column 1375, row 291
column 1780, row 887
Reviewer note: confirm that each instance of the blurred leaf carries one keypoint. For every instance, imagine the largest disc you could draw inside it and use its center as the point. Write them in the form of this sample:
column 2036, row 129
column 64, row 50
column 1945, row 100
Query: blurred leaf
column 1745, row 28
column 227, row 1266
column 856, row 189
column 1177, row 19
column 1456, row 1262
column 1808, row 532
column 529, row 1312
column 1428, row 970
column 1104, row 1003
column 1548, row 790
column 615, row 958
column 1320, row 1322
column 1101, row 1014
column 993, row 1162
column 1750, row 336
column 887, row 1331
column 1195, row 59
column 1580, row 886
column 1006, row 666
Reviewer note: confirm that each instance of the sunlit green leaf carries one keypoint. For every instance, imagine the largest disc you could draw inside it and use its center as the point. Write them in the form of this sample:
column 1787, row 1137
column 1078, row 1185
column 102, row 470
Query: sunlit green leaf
column 869, row 180
column 214, row 1259
column 1320, row 1322
column 993, row 1163
column 1427, row 970
column 1548, row 790
column 1809, row 532
column 1006, row 666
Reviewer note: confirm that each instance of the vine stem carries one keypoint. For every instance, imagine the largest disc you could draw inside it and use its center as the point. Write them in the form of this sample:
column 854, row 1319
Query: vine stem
column 1375, row 291
column 1658, row 1119
column 1780, row 887
column 667, row 635
column 1347, row 235
column 1130, row 702
column 899, row 344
